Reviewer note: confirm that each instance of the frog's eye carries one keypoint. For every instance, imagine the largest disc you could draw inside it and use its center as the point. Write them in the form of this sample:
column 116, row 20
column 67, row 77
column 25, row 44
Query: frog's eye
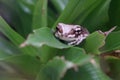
column 78, row 30
column 59, row 28
column 72, row 31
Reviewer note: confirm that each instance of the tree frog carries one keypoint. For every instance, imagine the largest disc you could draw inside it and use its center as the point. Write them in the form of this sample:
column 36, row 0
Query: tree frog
column 71, row 34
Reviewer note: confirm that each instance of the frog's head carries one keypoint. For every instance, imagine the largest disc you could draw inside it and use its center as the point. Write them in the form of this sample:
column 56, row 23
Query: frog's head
column 69, row 32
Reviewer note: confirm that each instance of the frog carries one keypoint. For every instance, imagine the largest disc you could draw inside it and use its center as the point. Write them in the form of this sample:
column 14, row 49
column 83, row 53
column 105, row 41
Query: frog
column 71, row 34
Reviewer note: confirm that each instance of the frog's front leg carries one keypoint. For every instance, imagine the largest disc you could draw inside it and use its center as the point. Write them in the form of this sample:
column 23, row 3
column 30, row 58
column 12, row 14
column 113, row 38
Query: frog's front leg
column 72, row 42
column 77, row 41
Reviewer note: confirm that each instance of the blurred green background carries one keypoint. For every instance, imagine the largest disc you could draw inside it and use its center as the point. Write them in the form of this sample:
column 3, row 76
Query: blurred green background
column 30, row 23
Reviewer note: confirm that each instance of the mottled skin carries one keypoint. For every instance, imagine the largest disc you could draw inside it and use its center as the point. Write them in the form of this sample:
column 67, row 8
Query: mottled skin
column 71, row 34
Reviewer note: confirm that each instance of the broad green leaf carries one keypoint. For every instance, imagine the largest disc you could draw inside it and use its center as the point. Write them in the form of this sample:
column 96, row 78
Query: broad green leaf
column 114, row 64
column 54, row 69
column 46, row 53
column 93, row 42
column 40, row 14
column 44, row 36
column 75, row 55
column 112, row 42
column 59, row 4
column 69, row 58
column 15, row 38
column 90, row 71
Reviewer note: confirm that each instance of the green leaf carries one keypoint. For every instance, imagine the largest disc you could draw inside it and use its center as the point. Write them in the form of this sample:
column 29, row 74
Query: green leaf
column 20, row 14
column 69, row 10
column 25, row 9
column 112, row 42
column 79, row 11
column 89, row 71
column 7, row 49
column 114, row 11
column 54, row 69
column 51, row 17
column 4, row 55
column 27, row 6
column 15, row 38
column 44, row 36
column 75, row 55
column 70, row 57
column 28, row 65
column 12, row 55
column 46, row 53
column 13, row 18
column 59, row 4
column 40, row 14
column 10, row 78
column 96, row 17
column 93, row 42
column 114, row 64
column 10, row 33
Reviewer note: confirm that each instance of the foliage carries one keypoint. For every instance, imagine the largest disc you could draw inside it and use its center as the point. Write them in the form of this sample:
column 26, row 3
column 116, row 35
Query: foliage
column 41, row 56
